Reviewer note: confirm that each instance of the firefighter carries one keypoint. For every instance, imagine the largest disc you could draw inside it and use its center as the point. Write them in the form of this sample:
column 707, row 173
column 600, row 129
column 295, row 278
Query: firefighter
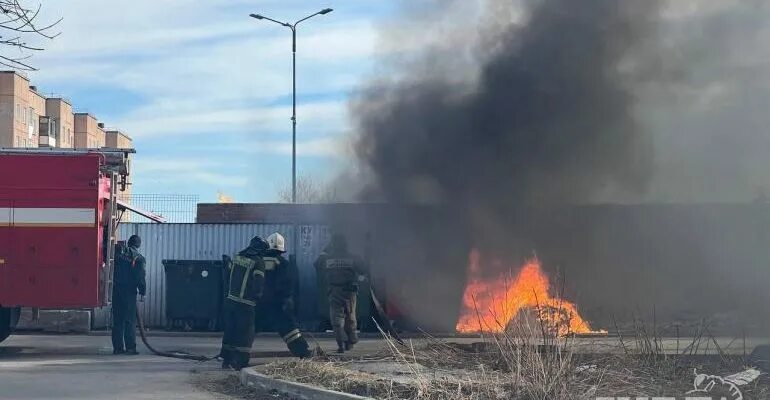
column 278, row 300
column 129, row 279
column 342, row 271
column 245, row 282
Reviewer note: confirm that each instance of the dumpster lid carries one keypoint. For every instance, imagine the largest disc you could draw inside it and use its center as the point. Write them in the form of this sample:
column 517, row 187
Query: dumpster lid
column 123, row 206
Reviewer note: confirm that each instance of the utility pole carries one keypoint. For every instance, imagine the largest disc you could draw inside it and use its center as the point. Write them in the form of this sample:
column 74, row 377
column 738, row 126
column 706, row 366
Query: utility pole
column 293, row 28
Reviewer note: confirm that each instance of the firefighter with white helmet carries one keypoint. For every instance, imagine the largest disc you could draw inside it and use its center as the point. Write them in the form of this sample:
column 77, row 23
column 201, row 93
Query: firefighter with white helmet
column 277, row 242
column 278, row 299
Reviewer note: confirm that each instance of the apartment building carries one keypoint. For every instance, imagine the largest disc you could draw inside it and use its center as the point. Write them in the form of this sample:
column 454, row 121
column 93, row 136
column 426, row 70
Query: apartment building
column 30, row 119
column 20, row 109
column 89, row 132
column 116, row 139
column 58, row 128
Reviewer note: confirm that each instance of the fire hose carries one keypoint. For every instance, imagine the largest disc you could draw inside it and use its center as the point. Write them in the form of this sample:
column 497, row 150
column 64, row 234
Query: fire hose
column 195, row 357
column 171, row 354
column 386, row 327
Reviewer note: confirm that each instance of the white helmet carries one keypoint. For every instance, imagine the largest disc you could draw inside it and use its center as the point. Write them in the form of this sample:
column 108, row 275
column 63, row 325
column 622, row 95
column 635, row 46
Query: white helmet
column 277, row 242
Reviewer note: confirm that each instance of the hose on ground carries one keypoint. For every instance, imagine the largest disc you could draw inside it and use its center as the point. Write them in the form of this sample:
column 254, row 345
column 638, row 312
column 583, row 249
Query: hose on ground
column 171, row 354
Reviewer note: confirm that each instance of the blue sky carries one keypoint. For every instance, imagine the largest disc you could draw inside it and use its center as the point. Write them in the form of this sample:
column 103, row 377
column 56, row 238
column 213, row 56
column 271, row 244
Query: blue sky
column 205, row 91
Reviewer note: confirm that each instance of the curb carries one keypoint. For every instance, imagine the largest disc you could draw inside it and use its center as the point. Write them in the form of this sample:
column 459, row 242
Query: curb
column 252, row 378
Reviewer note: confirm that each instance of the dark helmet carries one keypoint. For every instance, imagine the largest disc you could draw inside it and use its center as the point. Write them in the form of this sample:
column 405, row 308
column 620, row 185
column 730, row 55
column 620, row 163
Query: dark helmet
column 135, row 241
column 257, row 243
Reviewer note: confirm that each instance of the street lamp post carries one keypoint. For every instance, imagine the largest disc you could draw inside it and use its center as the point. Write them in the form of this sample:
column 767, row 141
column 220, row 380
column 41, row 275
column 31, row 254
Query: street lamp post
column 293, row 28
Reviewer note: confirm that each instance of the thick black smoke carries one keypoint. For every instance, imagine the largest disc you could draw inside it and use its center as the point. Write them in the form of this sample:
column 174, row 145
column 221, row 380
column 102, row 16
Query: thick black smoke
column 539, row 111
column 549, row 119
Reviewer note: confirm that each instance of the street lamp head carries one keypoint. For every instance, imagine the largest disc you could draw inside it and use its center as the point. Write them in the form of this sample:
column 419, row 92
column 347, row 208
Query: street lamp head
column 326, row 11
column 257, row 16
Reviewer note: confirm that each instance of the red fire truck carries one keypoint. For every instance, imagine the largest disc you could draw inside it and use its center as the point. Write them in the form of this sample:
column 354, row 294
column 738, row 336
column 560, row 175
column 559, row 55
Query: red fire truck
column 59, row 213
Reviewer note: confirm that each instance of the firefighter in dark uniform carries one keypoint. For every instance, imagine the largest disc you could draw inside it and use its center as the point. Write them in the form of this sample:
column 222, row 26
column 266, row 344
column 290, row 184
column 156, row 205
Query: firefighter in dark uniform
column 129, row 279
column 342, row 271
column 278, row 299
column 245, row 281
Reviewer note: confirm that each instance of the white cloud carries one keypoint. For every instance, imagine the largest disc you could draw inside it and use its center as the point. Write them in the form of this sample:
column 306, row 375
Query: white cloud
column 328, row 146
column 206, row 67
column 325, row 147
column 186, row 35
column 203, row 65
column 199, row 171
column 155, row 121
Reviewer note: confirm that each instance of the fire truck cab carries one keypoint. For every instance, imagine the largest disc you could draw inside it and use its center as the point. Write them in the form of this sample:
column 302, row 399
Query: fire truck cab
column 59, row 213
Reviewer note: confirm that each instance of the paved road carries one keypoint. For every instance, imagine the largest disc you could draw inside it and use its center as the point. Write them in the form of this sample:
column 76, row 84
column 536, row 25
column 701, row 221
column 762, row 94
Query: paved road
column 83, row 367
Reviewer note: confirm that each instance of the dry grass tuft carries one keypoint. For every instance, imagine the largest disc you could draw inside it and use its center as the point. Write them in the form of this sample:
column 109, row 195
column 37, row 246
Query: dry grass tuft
column 524, row 362
column 227, row 386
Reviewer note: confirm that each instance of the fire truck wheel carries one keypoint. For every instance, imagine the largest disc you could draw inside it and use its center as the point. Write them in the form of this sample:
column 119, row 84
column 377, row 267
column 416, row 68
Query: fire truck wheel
column 9, row 317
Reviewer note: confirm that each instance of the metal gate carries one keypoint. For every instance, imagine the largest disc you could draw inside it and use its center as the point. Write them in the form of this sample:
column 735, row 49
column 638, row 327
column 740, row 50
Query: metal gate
column 209, row 242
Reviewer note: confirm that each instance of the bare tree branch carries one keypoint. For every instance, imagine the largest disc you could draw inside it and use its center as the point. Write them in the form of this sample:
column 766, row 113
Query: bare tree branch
column 309, row 191
column 17, row 16
column 16, row 63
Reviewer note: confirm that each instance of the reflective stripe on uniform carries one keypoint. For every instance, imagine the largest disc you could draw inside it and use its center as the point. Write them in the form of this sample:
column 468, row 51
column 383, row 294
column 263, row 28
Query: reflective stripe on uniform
column 232, row 271
column 241, row 300
column 249, row 265
column 270, row 263
column 334, row 263
column 294, row 332
column 292, row 336
column 299, row 336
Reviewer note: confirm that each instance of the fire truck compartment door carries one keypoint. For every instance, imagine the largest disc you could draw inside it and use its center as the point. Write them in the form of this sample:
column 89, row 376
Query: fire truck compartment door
column 54, row 255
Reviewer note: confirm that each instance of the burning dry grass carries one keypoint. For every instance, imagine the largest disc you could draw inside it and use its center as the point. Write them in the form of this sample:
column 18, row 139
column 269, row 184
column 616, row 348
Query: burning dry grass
column 519, row 363
column 491, row 305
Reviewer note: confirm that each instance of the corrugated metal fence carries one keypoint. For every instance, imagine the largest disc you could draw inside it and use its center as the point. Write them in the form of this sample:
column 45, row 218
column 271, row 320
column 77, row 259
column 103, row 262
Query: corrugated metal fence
column 208, row 242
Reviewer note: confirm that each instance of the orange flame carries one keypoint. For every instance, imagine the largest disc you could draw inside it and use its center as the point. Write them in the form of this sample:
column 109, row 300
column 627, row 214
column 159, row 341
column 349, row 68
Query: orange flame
column 223, row 198
column 491, row 305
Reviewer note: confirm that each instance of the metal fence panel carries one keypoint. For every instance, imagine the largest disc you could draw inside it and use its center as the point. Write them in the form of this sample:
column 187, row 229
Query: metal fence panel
column 311, row 240
column 175, row 208
column 209, row 242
